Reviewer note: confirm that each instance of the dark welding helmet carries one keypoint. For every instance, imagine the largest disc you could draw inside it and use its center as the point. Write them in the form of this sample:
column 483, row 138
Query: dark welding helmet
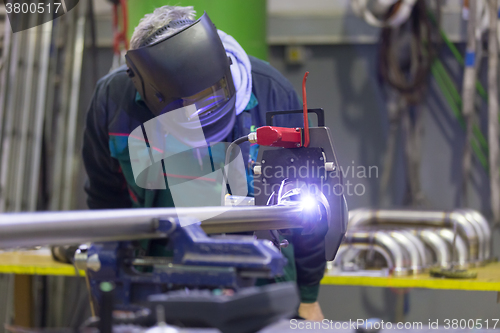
column 189, row 67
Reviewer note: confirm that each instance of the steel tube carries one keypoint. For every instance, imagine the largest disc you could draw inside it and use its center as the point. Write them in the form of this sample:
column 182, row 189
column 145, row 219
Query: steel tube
column 4, row 70
column 76, row 227
column 70, row 160
column 337, row 266
column 40, row 106
column 9, row 121
column 22, row 169
column 417, row 218
column 68, row 35
column 462, row 259
column 440, row 251
column 401, row 258
column 414, row 246
column 483, row 224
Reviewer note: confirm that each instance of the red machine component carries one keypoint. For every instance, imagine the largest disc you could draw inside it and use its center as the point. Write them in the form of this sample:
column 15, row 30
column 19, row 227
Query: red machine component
column 279, row 137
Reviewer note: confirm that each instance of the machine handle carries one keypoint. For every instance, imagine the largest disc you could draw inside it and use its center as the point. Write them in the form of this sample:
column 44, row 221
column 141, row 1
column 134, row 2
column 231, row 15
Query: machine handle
column 320, row 113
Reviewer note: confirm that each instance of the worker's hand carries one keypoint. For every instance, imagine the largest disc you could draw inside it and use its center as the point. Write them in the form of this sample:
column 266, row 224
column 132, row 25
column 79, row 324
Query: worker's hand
column 311, row 311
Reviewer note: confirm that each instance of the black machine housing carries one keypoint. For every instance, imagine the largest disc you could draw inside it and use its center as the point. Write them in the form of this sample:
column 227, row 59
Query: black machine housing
column 306, row 166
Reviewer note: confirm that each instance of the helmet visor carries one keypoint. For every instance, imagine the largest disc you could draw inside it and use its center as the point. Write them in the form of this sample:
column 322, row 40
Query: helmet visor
column 208, row 101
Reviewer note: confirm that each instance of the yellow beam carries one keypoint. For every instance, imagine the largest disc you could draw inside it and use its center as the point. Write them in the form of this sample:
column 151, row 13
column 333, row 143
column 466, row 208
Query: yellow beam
column 34, row 263
column 488, row 279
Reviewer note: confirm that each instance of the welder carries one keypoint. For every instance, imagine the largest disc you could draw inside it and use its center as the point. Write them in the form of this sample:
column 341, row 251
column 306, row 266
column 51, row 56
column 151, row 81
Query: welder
column 176, row 61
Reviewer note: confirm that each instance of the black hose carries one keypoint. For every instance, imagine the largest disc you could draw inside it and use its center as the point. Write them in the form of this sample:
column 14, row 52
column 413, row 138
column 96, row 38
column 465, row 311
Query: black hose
column 409, row 82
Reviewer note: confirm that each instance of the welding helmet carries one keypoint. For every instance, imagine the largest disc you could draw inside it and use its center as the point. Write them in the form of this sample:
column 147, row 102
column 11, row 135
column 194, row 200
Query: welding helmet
column 189, row 67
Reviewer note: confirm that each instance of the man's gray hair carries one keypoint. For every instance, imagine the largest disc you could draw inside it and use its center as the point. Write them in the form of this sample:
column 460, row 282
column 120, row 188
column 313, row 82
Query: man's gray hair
column 150, row 23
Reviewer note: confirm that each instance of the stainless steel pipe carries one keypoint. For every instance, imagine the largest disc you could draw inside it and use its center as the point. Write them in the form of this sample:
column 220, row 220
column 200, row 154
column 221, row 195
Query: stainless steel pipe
column 439, row 250
column 462, row 258
column 401, row 257
column 21, row 230
column 415, row 248
column 337, row 266
column 482, row 223
column 417, row 218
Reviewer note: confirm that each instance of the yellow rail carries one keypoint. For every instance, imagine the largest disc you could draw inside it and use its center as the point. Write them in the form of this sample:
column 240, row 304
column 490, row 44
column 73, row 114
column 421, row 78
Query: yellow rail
column 40, row 262
column 488, row 279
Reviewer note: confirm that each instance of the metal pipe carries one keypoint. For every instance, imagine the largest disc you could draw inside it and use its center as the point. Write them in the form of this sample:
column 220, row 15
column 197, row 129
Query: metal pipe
column 483, row 224
column 400, row 256
column 68, row 35
column 493, row 130
column 9, row 121
column 460, row 246
column 70, row 163
column 480, row 235
column 25, row 109
column 417, row 252
column 4, row 70
column 76, row 227
column 468, row 93
column 416, row 218
column 336, row 267
column 419, row 245
column 439, row 249
column 41, row 97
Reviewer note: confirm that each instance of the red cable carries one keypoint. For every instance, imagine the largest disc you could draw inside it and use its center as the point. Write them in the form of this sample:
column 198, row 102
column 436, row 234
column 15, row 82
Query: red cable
column 120, row 35
column 306, row 120
column 124, row 22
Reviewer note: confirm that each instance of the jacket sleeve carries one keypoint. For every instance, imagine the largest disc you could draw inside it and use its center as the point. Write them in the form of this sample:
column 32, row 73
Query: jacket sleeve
column 106, row 186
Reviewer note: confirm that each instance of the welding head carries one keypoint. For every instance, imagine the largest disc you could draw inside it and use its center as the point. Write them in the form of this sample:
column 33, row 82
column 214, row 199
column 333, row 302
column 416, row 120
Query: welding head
column 188, row 68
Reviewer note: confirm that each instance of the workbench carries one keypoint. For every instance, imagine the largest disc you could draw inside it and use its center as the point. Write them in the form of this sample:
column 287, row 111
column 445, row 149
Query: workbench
column 40, row 262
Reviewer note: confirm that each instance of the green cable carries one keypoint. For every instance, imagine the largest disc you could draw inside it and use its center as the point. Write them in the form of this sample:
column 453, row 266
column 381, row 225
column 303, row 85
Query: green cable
column 482, row 159
column 458, row 99
column 479, row 87
column 449, row 83
column 455, row 109
column 447, row 95
column 440, row 73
